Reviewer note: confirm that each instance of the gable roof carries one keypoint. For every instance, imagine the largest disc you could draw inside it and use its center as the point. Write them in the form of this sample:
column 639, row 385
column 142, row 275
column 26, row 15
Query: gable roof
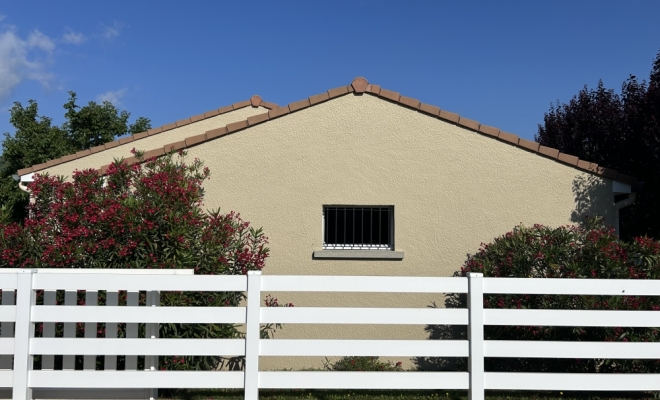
column 254, row 101
column 359, row 86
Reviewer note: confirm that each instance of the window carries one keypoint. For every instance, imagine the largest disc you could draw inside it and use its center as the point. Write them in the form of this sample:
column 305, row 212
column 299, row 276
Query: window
column 358, row 227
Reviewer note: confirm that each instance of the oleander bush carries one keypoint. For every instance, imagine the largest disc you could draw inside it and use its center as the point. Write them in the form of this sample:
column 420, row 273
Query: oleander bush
column 146, row 215
column 568, row 252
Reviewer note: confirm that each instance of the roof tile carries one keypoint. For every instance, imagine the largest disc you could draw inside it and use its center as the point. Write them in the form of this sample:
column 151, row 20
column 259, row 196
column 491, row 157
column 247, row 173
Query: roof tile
column 40, row 166
column 449, row 116
column 236, row 126
column 241, row 104
column 83, row 153
column 225, row 110
column 257, row 119
column 340, row 91
column 182, row 122
column 630, row 180
column 68, row 157
column 429, row 109
column 168, row 127
column 549, row 151
column 468, row 123
column 140, row 135
column 24, row 171
column 390, row 95
column 97, row 149
column 153, row 153
column 509, row 137
column 154, row 131
column 255, row 100
column 409, row 102
column 174, row 146
column 298, row 105
column 269, row 105
column 54, row 162
column 214, row 133
column 110, row 145
column 375, row 89
column 528, row 144
column 567, row 158
column 318, row 98
column 211, row 113
column 197, row 117
column 359, row 84
column 278, row 112
column 192, row 140
column 489, row 130
column 126, row 140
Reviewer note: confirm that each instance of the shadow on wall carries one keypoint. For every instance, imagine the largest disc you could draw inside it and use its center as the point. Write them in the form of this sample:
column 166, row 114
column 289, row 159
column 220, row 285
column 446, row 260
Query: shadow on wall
column 593, row 197
column 445, row 332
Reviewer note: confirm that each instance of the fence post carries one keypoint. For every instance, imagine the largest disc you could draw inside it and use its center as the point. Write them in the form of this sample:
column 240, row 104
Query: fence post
column 252, row 335
column 152, row 332
column 476, row 335
column 25, row 299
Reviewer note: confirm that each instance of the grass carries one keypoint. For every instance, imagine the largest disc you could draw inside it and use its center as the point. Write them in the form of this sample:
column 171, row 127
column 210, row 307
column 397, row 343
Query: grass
column 397, row 395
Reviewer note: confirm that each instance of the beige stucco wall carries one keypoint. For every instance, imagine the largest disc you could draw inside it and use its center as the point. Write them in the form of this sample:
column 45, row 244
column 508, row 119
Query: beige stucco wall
column 451, row 189
column 155, row 141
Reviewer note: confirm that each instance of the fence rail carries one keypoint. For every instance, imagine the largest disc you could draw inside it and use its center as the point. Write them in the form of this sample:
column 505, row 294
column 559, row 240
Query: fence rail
column 20, row 313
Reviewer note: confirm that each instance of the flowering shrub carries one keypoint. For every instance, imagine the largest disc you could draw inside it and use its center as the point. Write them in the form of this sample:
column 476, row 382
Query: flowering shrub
column 592, row 251
column 146, row 215
column 361, row 364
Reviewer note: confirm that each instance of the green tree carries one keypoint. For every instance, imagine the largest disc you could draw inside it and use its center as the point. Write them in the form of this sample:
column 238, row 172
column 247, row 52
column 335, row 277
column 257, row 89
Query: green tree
column 37, row 140
column 618, row 131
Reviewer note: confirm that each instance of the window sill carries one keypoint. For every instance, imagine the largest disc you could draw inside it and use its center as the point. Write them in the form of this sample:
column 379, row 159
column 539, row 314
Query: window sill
column 358, row 254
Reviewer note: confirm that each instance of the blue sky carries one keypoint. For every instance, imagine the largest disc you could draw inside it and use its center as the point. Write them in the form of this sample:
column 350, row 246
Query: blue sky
column 501, row 63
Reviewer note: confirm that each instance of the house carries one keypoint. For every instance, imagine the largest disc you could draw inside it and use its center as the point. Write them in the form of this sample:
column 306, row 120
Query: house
column 360, row 180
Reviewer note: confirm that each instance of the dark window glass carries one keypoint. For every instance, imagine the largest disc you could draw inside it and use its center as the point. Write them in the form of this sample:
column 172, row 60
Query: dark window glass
column 358, row 227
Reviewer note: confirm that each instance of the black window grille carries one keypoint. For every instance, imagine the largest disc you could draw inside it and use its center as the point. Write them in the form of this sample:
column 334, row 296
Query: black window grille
column 358, row 227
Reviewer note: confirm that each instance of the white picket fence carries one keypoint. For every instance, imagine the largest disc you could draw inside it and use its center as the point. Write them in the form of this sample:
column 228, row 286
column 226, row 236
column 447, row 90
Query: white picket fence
column 25, row 383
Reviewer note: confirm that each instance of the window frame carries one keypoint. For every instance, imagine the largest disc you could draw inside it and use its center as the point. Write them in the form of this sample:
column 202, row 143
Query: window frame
column 363, row 246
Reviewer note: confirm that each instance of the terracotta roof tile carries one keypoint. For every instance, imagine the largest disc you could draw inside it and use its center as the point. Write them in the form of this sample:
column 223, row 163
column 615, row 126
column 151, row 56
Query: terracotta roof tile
column 255, row 100
column 153, row 153
column 359, row 84
column 269, row 105
column 67, row 158
column 24, row 171
column 318, row 98
column 81, row 153
column 97, row 149
column 236, row 126
column 468, row 123
column 211, row 113
column 528, row 144
column 40, row 166
column 489, row 130
column 155, row 131
column 174, row 146
column 54, row 162
column 214, row 133
column 192, row 140
column 449, row 116
column 340, row 91
column 257, row 119
column 224, row 110
column 508, row 137
column 390, row 95
column 197, row 117
column 140, row 135
column 182, row 122
column 375, row 89
column 168, row 127
column 241, row 104
column 429, row 109
column 126, row 140
column 568, row 159
column 409, row 102
column 278, row 112
column 549, row 151
column 298, row 105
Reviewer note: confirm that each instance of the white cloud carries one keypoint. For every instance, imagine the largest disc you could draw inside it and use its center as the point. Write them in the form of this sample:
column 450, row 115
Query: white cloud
column 19, row 59
column 110, row 32
column 113, row 96
column 72, row 37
